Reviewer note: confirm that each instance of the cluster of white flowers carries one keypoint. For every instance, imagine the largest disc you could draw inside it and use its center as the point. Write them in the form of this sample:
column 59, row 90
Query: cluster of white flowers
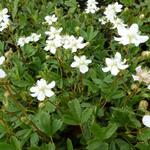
column 42, row 90
column 110, row 15
column 4, row 19
column 91, row 7
column 128, row 35
column 2, row 72
column 25, row 40
column 50, row 19
column 55, row 40
column 114, row 65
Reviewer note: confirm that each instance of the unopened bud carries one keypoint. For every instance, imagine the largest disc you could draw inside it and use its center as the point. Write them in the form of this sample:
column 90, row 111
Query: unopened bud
column 145, row 54
column 143, row 104
column 8, row 53
column 47, row 57
column 126, row 9
column 77, row 29
column 6, row 94
column 41, row 105
column 142, row 16
column 134, row 87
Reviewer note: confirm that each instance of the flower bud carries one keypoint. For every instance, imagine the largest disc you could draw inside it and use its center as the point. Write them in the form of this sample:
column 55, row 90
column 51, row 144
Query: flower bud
column 6, row 94
column 47, row 57
column 8, row 53
column 145, row 54
column 134, row 87
column 143, row 104
column 41, row 105
column 142, row 16
column 126, row 9
column 77, row 29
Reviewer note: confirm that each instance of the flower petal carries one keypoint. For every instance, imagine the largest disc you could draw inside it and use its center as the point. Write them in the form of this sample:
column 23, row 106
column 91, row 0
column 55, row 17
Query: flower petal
column 52, row 84
column 114, row 70
column 146, row 120
column 2, row 73
column 83, row 68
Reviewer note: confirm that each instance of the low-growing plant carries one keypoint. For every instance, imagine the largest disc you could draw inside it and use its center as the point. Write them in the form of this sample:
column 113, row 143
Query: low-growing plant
column 74, row 75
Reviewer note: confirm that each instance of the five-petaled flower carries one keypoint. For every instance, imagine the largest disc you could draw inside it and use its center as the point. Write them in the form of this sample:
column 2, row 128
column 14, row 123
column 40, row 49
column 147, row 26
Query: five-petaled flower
column 114, row 65
column 130, row 35
column 42, row 90
column 81, row 63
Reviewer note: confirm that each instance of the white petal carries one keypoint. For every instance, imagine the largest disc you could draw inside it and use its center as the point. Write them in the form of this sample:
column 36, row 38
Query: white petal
column 106, row 69
column 34, row 94
column 53, row 50
column 142, row 39
column 134, row 28
column 121, row 66
column 49, row 93
column 2, row 73
column 146, row 120
column 148, row 87
column 138, row 69
column 74, row 64
column 118, row 56
column 122, row 30
column 34, row 89
column 2, row 59
column 109, row 61
column 135, row 78
column 52, row 84
column 114, row 70
column 76, row 58
column 41, row 96
column 83, row 68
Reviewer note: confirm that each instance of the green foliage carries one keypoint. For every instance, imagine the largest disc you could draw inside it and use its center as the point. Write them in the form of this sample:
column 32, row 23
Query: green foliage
column 91, row 111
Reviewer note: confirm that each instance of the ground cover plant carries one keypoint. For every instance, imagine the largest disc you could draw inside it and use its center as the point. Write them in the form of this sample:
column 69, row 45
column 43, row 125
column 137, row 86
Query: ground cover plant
column 74, row 75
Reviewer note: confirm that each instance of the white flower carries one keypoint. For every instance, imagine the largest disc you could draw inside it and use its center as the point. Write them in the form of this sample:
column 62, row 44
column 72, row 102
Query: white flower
column 142, row 75
column 73, row 43
column 52, row 45
column 114, row 65
column 146, row 120
column 91, row 7
column 4, row 19
column 111, row 10
column 34, row 37
column 81, row 63
column 42, row 90
column 130, row 35
column 117, row 22
column 148, row 87
column 2, row 72
column 53, row 32
column 22, row 41
column 50, row 19
column 103, row 20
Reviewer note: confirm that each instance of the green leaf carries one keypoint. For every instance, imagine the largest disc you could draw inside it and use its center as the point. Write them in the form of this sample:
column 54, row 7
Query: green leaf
column 34, row 139
column 86, row 114
column 73, row 117
column 47, row 124
column 127, row 2
column 69, row 145
column 5, row 146
column 16, row 143
column 103, row 133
